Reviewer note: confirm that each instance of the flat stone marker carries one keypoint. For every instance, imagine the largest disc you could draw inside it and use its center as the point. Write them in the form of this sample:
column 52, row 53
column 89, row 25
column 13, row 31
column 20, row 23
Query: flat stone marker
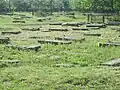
column 96, row 25
column 58, row 29
column 4, row 40
column 70, row 39
column 33, row 47
column 108, row 44
column 81, row 29
column 11, row 32
column 56, row 42
column 10, row 61
column 113, row 62
column 91, row 34
column 18, row 21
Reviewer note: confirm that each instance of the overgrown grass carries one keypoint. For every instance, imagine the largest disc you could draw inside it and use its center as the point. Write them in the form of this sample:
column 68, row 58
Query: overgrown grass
column 37, row 70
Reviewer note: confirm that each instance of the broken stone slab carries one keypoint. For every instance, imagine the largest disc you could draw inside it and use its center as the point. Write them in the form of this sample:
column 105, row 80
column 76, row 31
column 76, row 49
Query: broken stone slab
column 32, row 47
column 112, row 62
column 56, row 42
column 96, row 25
column 81, row 29
column 70, row 39
column 18, row 21
column 64, row 65
column 56, row 23
column 58, row 29
column 92, row 34
column 73, row 24
column 10, row 32
column 108, row 44
column 4, row 40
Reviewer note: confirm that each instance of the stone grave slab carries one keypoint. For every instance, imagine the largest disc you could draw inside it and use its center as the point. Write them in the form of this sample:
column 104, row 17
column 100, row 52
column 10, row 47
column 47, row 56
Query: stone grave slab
column 41, row 37
column 31, row 29
column 73, row 24
column 81, row 29
column 96, row 25
column 113, row 23
column 112, row 62
column 64, row 65
column 58, row 29
column 92, row 34
column 108, row 44
column 10, row 61
column 56, row 23
column 70, row 39
column 18, row 21
column 10, row 32
column 30, row 47
column 4, row 40
column 55, row 42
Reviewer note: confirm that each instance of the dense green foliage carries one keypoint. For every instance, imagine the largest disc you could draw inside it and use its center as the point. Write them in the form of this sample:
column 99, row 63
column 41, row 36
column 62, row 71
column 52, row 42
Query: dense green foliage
column 60, row 5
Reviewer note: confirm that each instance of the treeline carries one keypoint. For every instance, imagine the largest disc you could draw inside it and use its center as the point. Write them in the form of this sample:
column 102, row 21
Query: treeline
column 60, row 5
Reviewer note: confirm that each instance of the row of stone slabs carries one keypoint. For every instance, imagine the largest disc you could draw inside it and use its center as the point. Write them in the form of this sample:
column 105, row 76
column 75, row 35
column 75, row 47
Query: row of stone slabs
column 113, row 62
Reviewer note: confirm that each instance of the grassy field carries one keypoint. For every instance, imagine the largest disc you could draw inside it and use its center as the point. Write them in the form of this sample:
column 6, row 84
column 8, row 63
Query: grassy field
column 58, row 67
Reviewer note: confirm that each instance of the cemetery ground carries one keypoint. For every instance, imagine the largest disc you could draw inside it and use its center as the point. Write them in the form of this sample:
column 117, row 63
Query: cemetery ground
column 55, row 65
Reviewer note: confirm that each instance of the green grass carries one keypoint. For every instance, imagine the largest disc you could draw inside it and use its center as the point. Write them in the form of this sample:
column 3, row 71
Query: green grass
column 37, row 70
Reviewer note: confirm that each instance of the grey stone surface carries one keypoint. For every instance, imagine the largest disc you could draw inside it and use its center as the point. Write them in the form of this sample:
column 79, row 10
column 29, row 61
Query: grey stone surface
column 56, row 42
column 112, row 62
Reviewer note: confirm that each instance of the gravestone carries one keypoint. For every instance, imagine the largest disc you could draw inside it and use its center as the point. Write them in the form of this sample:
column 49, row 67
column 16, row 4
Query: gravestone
column 70, row 39
column 4, row 40
column 64, row 65
column 18, row 21
column 41, row 37
column 108, row 44
column 31, row 29
column 113, row 23
column 73, row 24
column 10, row 61
column 96, row 25
column 58, row 29
column 56, row 23
column 55, row 42
column 81, row 29
column 112, row 62
column 33, row 47
column 92, row 34
column 10, row 32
